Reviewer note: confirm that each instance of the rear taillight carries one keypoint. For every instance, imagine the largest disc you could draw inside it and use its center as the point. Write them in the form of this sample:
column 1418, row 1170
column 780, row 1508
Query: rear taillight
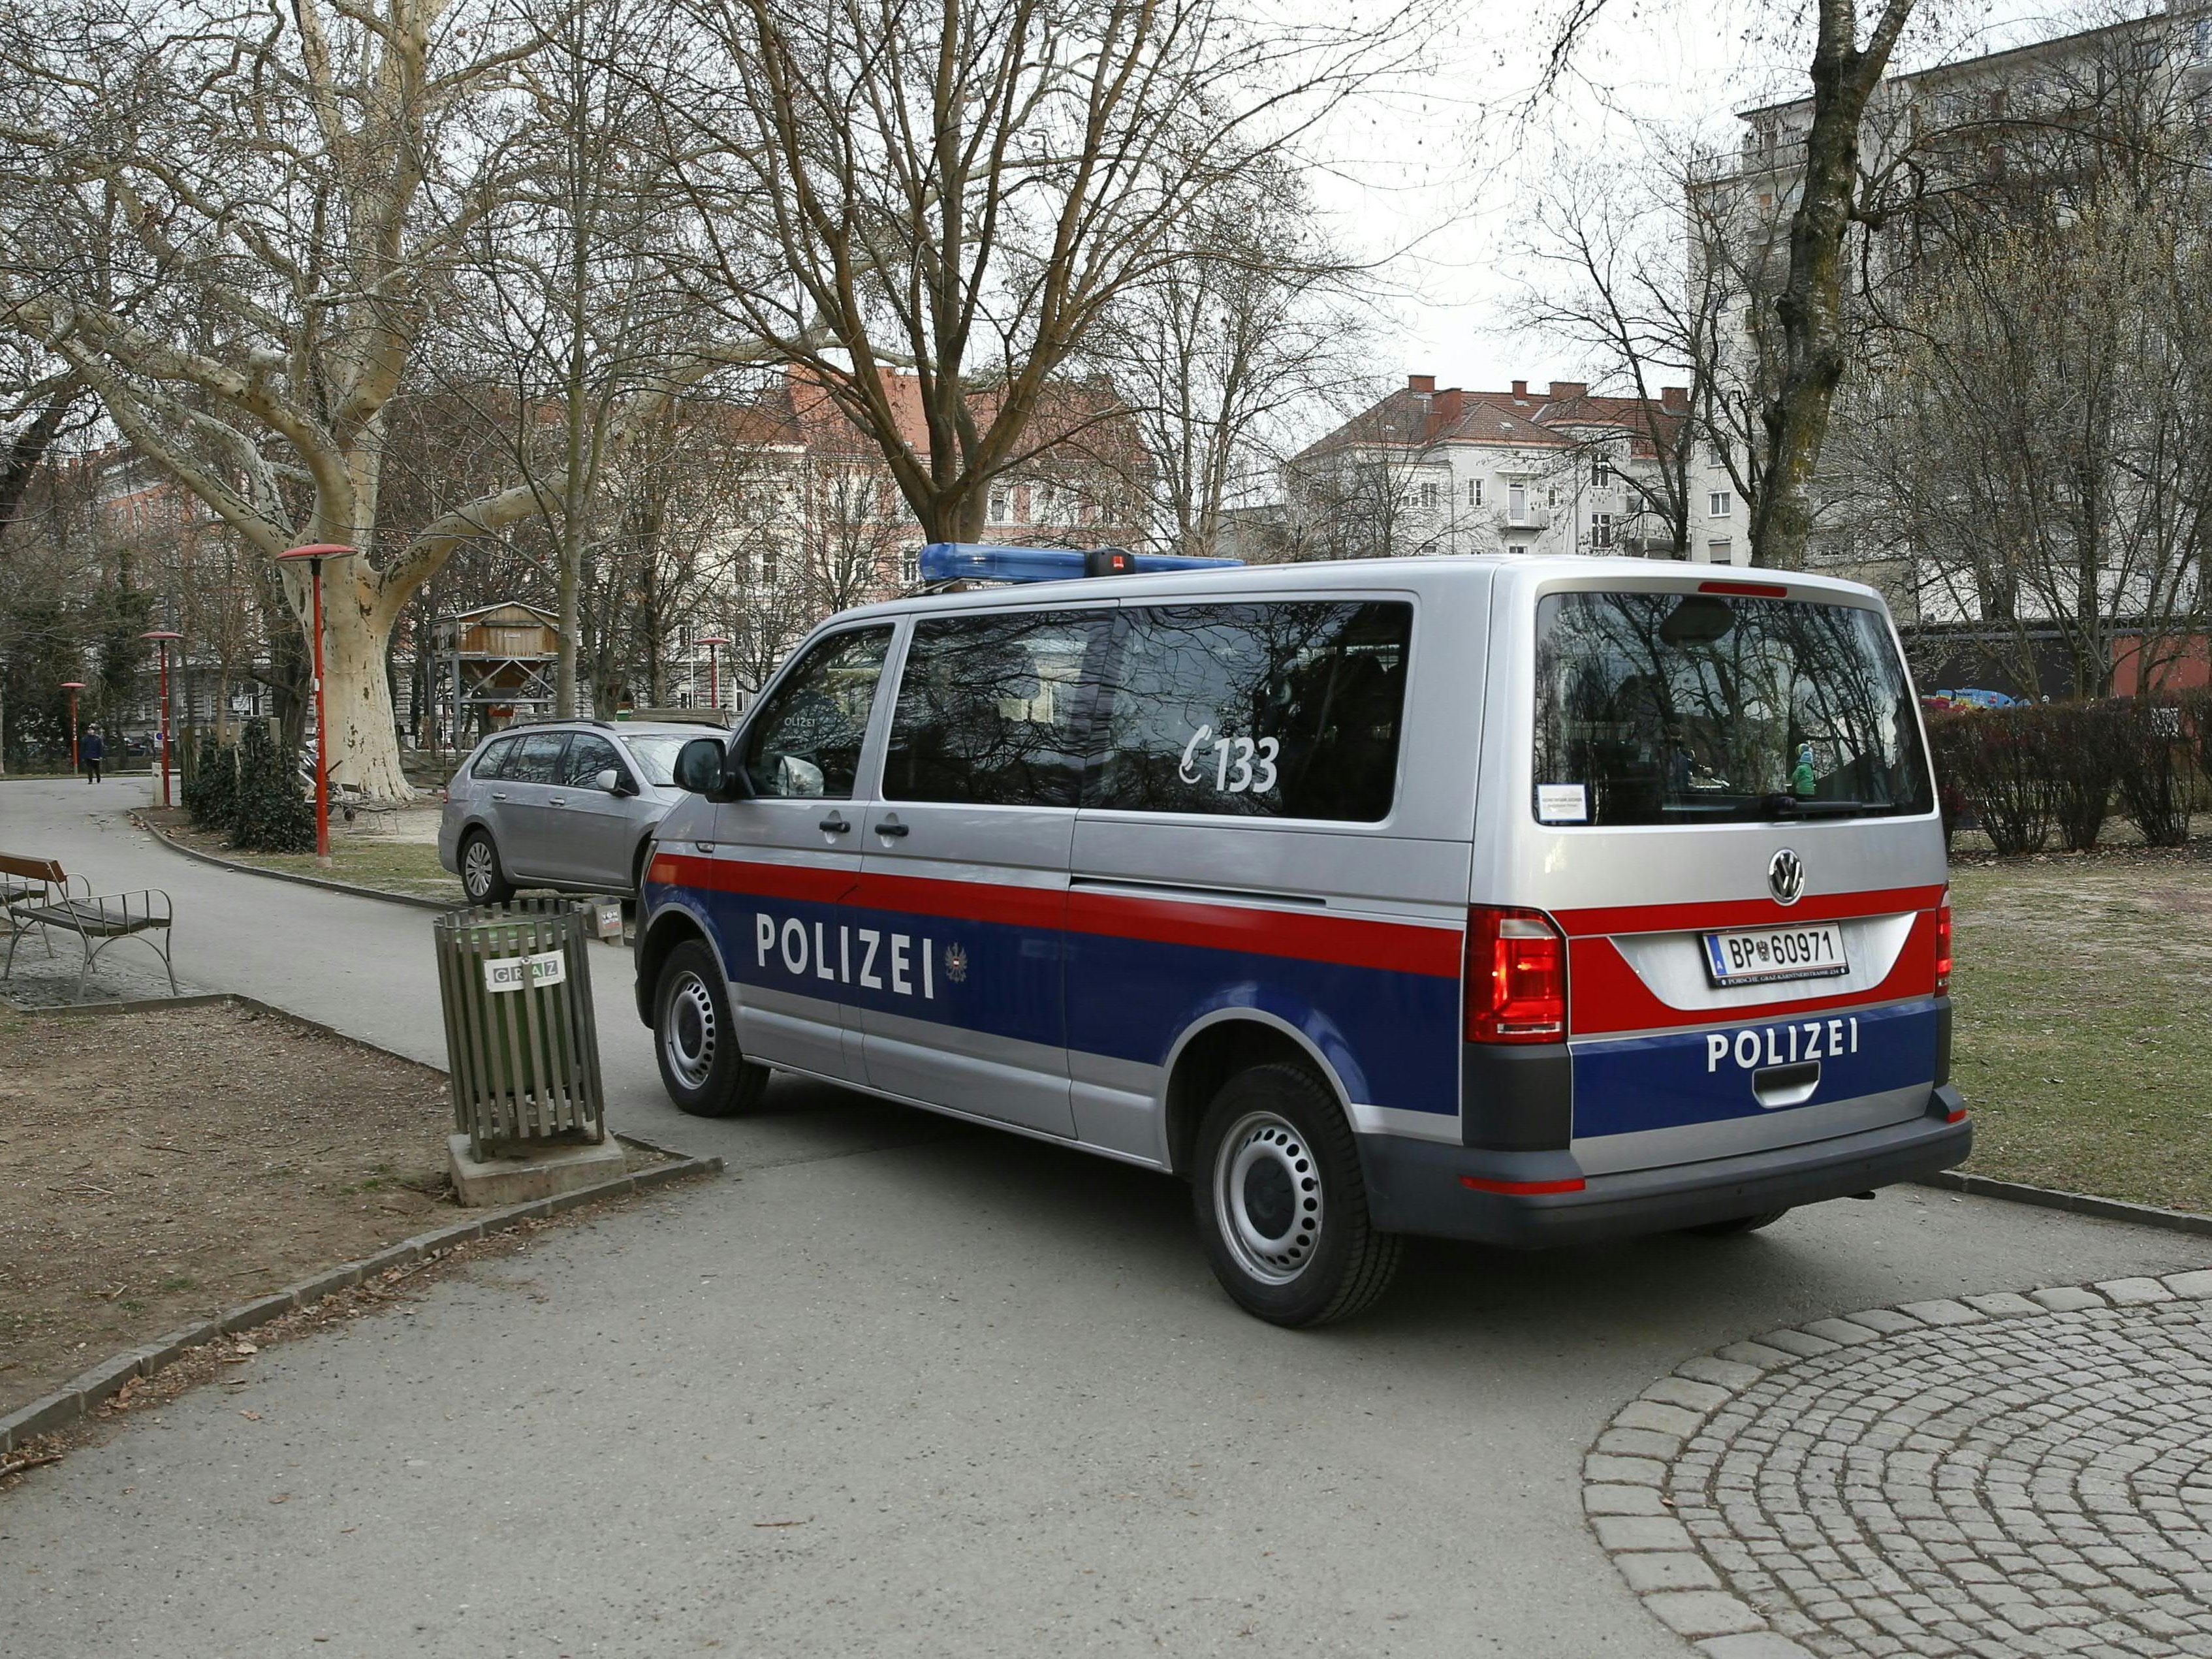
column 1516, row 977
column 1943, row 947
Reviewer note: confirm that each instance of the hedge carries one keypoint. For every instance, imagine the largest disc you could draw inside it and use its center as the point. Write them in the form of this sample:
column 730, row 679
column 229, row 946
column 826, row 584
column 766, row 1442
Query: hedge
column 2022, row 772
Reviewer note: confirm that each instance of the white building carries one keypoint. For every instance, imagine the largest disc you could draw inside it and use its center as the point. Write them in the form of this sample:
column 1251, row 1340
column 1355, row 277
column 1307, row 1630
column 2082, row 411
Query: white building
column 1555, row 470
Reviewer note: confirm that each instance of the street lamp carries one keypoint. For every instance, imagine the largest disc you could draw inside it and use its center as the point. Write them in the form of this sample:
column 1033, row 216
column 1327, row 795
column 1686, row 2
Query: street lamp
column 73, row 687
column 714, row 678
column 162, row 636
column 314, row 554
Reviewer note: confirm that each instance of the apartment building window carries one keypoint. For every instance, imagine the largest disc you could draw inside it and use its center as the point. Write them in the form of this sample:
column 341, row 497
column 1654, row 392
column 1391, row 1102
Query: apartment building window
column 1717, row 552
column 998, row 506
column 1429, row 498
column 1601, row 472
column 1601, row 530
column 1517, row 503
column 768, row 564
column 1721, row 503
column 1474, row 492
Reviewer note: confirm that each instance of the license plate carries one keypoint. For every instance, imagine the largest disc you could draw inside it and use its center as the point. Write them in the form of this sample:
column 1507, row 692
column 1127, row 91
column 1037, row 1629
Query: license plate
column 1753, row 955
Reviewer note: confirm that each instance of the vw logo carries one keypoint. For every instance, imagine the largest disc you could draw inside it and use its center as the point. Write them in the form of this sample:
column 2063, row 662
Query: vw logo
column 1786, row 877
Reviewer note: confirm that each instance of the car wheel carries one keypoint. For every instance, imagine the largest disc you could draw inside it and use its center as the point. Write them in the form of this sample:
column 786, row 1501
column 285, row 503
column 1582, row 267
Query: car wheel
column 1737, row 1224
column 696, row 1039
column 1282, row 1206
column 483, row 878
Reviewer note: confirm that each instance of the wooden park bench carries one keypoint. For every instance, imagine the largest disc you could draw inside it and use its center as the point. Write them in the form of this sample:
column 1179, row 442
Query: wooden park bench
column 38, row 894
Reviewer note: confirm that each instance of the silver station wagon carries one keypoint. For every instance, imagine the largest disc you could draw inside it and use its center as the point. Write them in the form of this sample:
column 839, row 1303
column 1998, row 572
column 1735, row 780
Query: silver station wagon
column 570, row 805
column 1524, row 900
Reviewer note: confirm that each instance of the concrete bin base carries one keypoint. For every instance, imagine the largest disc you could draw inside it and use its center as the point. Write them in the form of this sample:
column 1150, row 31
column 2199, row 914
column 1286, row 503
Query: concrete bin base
column 544, row 1172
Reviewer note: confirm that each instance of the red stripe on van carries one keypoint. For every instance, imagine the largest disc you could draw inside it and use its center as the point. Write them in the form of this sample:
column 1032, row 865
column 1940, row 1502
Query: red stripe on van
column 1743, row 912
column 1609, row 996
column 1402, row 947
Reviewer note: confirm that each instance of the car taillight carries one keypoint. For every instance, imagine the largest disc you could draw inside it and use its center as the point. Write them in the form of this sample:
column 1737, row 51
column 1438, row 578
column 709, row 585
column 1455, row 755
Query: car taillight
column 1943, row 946
column 1516, row 977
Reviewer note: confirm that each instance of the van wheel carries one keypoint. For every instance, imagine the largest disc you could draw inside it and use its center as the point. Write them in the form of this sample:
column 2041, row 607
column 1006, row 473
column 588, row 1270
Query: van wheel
column 483, row 878
column 1282, row 1208
column 1737, row 1224
column 696, row 1039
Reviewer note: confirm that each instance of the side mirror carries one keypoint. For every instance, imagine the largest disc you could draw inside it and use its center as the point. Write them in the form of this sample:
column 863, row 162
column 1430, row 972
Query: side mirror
column 612, row 781
column 699, row 767
column 704, row 766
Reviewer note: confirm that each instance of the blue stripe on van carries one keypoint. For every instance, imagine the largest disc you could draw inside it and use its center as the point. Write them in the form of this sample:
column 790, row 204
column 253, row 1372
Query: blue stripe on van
column 1630, row 1084
column 1393, row 1036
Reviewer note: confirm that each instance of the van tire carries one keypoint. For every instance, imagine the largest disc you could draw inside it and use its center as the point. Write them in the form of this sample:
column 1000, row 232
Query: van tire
column 694, row 1038
column 1272, row 1143
column 1735, row 1226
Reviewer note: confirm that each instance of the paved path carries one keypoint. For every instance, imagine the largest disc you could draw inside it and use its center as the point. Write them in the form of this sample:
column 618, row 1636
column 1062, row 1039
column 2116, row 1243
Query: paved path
column 990, row 1380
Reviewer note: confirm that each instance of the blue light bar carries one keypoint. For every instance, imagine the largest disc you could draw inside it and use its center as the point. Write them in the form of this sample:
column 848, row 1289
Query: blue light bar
column 981, row 561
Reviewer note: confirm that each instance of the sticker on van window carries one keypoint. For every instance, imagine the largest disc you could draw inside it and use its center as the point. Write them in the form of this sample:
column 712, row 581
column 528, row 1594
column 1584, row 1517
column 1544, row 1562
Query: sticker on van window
column 1562, row 803
column 1239, row 763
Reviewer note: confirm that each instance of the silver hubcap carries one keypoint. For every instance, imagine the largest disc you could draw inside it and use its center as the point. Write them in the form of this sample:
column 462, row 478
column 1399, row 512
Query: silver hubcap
column 688, row 1033
column 1267, row 1192
column 476, row 868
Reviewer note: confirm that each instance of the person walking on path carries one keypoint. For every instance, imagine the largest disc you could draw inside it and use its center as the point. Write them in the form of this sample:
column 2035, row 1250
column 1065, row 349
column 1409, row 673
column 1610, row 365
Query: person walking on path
column 91, row 751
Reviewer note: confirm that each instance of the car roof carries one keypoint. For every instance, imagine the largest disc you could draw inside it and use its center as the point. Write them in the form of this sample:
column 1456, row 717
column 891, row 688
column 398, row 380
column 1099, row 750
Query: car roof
column 1421, row 573
column 613, row 729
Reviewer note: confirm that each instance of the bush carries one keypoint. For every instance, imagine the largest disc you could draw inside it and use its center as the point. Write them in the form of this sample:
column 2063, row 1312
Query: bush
column 1996, row 760
column 2080, row 745
column 209, row 792
column 268, row 814
column 2154, row 764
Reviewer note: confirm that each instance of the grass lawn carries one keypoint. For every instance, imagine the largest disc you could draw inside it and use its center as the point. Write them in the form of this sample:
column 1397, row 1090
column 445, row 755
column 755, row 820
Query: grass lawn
column 2083, row 1039
column 396, row 866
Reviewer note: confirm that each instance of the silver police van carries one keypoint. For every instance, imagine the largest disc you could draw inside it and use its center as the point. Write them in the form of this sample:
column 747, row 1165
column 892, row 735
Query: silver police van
column 1524, row 900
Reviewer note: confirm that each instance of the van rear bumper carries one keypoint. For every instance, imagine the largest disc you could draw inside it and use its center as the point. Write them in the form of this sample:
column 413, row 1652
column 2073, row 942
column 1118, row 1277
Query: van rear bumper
column 1418, row 1186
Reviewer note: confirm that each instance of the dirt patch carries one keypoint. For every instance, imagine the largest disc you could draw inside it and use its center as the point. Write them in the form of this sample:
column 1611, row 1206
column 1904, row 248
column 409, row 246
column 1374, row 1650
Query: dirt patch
column 157, row 1168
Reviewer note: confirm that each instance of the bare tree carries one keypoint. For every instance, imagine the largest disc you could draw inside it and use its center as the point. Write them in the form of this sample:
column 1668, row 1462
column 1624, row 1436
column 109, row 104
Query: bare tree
column 1220, row 357
column 964, row 191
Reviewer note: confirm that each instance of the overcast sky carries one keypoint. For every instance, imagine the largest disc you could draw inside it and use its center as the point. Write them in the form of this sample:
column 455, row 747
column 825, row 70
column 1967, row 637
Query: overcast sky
column 1442, row 176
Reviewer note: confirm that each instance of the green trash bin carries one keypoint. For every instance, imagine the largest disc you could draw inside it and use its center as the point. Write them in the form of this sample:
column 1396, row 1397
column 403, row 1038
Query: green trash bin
column 522, row 1046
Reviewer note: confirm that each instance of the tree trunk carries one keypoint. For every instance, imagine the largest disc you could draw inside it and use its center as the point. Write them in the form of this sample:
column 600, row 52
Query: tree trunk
column 364, row 739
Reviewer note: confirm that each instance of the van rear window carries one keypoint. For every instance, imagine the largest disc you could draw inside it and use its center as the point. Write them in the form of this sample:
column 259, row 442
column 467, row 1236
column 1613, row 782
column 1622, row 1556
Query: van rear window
column 1675, row 707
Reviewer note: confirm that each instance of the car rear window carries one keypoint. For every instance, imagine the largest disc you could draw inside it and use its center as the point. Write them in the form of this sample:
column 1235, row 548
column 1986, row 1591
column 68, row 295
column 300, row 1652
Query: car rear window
column 1671, row 708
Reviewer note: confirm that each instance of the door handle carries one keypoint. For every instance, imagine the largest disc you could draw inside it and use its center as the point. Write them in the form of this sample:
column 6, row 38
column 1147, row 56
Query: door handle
column 834, row 825
column 499, row 794
column 890, row 829
column 556, row 801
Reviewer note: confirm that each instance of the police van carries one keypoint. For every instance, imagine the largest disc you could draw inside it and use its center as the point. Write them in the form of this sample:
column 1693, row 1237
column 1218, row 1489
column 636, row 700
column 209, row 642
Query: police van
column 1525, row 900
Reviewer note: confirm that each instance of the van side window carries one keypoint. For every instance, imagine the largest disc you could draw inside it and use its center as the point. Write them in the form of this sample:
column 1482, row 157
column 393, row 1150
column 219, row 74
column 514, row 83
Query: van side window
column 805, row 738
column 989, row 708
column 1289, row 709
column 493, row 761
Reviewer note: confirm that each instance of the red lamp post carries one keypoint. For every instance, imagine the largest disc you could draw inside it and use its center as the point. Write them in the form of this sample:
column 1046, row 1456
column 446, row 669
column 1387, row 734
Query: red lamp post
column 712, row 642
column 162, row 636
column 73, row 687
column 314, row 554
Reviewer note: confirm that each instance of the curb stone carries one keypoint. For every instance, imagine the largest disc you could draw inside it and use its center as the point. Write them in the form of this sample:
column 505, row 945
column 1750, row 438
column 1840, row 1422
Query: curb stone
column 81, row 1395
column 2050, row 1198
column 1659, row 1559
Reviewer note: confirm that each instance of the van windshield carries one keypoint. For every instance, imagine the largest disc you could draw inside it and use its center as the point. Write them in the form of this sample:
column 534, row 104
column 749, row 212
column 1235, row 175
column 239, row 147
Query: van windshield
column 1673, row 707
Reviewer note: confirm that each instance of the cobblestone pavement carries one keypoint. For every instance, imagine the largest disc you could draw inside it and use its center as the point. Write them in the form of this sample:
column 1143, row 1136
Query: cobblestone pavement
column 2004, row 1475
